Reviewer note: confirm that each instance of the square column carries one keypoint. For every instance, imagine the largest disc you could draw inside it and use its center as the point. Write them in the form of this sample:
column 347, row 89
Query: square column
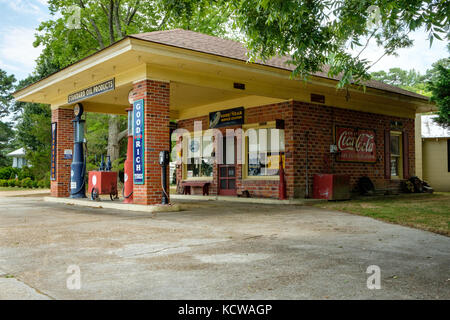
column 64, row 140
column 156, row 95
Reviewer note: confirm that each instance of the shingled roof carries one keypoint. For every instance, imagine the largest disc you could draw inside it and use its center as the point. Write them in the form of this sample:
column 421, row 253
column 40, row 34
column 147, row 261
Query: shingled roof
column 235, row 50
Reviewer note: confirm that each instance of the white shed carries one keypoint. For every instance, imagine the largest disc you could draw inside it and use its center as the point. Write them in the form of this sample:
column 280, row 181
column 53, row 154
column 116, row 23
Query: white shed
column 18, row 156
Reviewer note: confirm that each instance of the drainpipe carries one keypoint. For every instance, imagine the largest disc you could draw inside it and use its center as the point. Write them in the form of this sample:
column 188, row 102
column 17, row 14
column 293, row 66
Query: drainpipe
column 306, row 167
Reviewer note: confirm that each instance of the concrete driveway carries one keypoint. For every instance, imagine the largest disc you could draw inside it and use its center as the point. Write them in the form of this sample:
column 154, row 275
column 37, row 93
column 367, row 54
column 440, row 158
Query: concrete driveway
column 213, row 250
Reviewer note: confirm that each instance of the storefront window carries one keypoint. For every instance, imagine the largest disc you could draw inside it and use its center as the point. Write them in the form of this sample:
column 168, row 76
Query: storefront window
column 199, row 162
column 395, row 154
column 265, row 147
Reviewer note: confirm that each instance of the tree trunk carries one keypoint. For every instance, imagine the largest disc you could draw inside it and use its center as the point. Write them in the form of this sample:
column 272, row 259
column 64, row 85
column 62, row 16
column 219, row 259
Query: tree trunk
column 113, row 135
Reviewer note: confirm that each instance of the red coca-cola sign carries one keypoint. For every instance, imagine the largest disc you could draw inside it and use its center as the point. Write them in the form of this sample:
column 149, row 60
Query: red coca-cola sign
column 355, row 145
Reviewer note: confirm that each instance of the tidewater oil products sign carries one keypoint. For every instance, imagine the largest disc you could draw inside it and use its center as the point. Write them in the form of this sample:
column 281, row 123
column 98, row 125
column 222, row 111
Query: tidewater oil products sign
column 138, row 141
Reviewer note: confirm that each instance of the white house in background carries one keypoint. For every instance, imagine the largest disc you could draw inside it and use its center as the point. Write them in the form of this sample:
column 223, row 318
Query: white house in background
column 432, row 152
column 18, row 156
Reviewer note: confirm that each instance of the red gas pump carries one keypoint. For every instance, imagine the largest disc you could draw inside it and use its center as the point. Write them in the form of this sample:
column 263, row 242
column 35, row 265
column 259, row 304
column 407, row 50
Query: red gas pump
column 128, row 165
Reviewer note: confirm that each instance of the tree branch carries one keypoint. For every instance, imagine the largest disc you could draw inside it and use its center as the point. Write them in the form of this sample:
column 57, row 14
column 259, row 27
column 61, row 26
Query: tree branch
column 122, row 135
column 136, row 6
column 94, row 25
column 117, row 18
column 112, row 36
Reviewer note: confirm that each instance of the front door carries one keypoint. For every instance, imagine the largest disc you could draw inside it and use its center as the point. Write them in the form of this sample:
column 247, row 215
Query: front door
column 227, row 170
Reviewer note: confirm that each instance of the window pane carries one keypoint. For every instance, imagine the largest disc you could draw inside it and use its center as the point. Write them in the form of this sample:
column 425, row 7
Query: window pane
column 394, row 166
column 395, row 145
column 229, row 154
column 207, row 147
column 264, row 149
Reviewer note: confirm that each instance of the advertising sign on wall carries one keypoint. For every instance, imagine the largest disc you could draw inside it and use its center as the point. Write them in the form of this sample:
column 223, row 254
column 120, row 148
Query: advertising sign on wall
column 53, row 153
column 228, row 117
column 138, row 141
column 355, row 145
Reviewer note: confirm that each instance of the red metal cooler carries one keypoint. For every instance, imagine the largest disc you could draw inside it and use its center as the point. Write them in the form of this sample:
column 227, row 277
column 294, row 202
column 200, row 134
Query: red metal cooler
column 103, row 182
column 331, row 186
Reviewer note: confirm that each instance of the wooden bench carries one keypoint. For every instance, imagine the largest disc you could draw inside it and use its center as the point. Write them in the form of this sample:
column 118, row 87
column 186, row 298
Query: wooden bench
column 188, row 184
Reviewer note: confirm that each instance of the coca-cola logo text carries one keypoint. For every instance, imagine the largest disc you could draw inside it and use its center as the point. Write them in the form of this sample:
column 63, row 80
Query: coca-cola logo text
column 355, row 144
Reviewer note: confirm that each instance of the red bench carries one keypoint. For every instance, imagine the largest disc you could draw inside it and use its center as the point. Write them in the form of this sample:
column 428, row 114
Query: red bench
column 188, row 184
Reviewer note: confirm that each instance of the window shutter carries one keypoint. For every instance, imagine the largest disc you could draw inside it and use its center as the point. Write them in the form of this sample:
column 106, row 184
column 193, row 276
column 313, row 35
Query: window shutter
column 387, row 154
column 405, row 156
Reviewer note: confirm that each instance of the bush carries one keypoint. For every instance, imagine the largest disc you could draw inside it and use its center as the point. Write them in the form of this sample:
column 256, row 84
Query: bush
column 3, row 183
column 18, row 183
column 41, row 183
column 25, row 172
column 27, row 183
column 8, row 173
column 35, row 184
column 11, row 183
column 46, row 183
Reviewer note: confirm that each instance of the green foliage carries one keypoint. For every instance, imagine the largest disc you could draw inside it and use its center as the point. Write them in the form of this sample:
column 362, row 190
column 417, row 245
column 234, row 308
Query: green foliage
column 6, row 145
column 118, row 165
column 8, row 173
column 25, row 172
column 41, row 184
column 6, row 88
column 320, row 32
column 409, row 80
column 26, row 183
column 440, row 89
column 11, row 183
column 34, row 133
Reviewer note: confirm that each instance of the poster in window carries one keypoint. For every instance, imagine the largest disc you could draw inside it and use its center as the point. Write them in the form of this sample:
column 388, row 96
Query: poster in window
column 355, row 145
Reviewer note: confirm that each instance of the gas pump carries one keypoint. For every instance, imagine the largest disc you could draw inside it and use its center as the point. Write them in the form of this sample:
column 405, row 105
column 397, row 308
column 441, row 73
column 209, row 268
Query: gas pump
column 128, row 165
column 164, row 162
column 78, row 166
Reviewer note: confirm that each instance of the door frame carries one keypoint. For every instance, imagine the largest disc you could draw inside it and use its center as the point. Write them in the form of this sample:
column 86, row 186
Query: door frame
column 227, row 192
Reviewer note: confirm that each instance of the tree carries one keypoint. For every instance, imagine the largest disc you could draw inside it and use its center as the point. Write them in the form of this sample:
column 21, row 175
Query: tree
column 440, row 89
column 320, row 32
column 104, row 22
column 6, row 134
column 6, row 88
column 409, row 80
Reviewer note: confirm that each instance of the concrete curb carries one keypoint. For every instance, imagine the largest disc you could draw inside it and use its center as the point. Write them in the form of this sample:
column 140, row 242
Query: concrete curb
column 117, row 206
column 245, row 200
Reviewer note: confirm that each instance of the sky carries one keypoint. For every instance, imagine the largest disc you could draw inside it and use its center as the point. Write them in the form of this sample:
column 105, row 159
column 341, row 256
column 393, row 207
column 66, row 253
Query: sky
column 20, row 18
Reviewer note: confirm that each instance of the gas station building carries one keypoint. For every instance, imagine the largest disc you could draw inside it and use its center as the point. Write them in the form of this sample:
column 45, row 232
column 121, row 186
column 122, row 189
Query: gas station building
column 203, row 82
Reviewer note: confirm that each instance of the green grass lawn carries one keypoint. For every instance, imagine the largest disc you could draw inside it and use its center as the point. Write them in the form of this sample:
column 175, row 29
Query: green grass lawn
column 10, row 188
column 423, row 211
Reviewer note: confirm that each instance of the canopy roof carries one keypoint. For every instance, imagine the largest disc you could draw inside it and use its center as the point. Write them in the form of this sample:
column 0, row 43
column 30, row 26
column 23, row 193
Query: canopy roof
column 203, row 71
column 236, row 50
column 17, row 153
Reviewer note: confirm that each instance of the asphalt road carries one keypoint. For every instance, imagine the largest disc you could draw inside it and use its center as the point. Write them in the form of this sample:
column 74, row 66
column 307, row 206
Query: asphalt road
column 213, row 250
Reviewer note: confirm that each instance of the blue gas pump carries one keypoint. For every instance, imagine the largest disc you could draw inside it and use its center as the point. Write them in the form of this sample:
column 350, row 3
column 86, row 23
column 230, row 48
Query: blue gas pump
column 78, row 166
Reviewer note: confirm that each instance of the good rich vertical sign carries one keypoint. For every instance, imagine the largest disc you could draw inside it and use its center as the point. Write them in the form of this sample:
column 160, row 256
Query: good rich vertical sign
column 355, row 145
column 53, row 156
column 138, row 142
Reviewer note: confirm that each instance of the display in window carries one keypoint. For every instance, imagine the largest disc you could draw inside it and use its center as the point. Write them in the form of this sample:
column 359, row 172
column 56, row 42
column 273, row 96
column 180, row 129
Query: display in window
column 265, row 146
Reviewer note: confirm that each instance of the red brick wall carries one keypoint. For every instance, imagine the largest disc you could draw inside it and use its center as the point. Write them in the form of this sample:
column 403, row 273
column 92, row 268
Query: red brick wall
column 319, row 121
column 156, row 135
column 64, row 140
